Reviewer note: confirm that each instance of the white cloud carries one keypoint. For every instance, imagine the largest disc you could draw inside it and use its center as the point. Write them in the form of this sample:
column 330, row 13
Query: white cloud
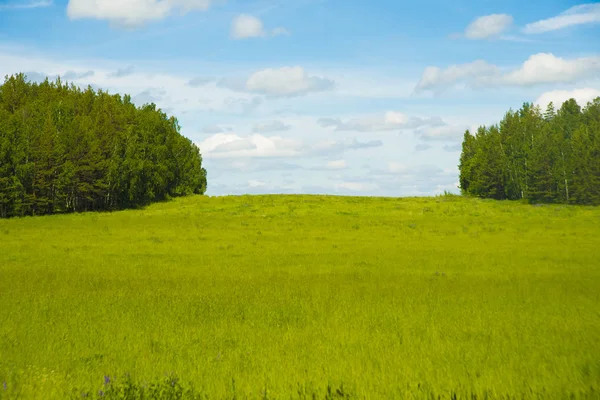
column 436, row 79
column 348, row 83
column 577, row 15
column 26, row 5
column 558, row 97
column 542, row 68
column 270, row 126
column 247, row 26
column 286, row 81
column 131, row 13
column 391, row 120
column 337, row 164
column 230, row 145
column 211, row 143
column 488, row 26
column 547, row 68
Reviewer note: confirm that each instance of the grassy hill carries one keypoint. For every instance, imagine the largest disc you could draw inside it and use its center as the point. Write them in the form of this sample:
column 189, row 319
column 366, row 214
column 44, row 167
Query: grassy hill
column 291, row 296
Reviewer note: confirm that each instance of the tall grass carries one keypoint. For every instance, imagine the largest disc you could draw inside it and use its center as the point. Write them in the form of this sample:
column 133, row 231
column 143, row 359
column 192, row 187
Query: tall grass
column 295, row 296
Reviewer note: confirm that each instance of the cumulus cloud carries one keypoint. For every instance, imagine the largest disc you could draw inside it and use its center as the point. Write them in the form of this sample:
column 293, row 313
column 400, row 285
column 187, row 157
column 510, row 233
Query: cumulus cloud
column 391, row 120
column 437, row 79
column 558, row 97
column 247, row 26
column 577, row 15
column 286, row 81
column 282, row 82
column 240, row 146
column 547, row 68
column 542, row 68
column 132, row 13
column 270, row 126
column 230, row 145
column 488, row 26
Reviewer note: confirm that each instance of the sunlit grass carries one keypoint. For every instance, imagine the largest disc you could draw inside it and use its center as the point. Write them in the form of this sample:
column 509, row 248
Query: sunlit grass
column 290, row 296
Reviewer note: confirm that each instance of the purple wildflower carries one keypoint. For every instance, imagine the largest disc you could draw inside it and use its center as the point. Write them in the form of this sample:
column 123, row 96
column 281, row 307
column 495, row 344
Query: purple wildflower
column 106, row 379
column 4, row 385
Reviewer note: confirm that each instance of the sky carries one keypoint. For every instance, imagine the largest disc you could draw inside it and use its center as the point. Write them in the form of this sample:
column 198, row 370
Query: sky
column 341, row 97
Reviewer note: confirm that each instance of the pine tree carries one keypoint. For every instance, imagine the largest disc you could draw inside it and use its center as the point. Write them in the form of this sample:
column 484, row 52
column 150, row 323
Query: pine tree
column 466, row 161
column 549, row 157
column 63, row 149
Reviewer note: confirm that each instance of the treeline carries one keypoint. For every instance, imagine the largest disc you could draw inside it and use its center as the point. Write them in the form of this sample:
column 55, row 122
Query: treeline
column 541, row 157
column 64, row 149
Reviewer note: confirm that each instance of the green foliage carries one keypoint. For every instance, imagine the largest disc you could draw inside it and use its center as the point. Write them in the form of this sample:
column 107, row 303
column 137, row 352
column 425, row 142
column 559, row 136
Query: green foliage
column 282, row 297
column 63, row 150
column 541, row 158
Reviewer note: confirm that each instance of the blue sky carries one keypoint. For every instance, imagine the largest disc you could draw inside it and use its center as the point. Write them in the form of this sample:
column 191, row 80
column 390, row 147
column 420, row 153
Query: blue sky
column 316, row 96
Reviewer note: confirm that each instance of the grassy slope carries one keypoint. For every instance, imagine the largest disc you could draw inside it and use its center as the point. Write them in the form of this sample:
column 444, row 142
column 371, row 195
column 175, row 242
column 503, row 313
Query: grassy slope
column 285, row 292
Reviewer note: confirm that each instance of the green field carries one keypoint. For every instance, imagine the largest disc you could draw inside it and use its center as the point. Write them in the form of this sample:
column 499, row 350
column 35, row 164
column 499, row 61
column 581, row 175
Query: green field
column 290, row 296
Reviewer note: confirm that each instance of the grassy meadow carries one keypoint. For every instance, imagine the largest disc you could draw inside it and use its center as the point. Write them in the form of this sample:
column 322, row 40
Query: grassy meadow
column 304, row 297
